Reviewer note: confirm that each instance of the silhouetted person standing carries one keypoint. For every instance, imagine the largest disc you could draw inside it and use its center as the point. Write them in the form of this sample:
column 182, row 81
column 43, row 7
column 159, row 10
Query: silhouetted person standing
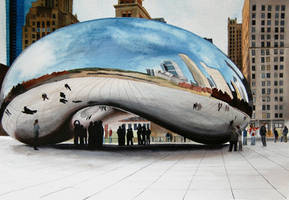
column 129, row 137
column 91, row 135
column 119, row 135
column 36, row 130
column 99, row 133
column 143, row 135
column 263, row 134
column 284, row 134
column 275, row 135
column 110, row 136
column 148, row 136
column 139, row 129
column 76, row 124
column 122, row 136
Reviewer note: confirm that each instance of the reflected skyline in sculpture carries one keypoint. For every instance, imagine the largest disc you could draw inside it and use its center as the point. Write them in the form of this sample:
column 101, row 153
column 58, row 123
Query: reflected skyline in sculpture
column 142, row 56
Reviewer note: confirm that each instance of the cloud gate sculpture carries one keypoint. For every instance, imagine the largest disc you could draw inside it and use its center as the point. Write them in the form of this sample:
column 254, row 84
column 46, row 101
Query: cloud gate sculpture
column 165, row 74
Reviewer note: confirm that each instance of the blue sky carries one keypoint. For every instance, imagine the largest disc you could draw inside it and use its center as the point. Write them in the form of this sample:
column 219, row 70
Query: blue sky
column 207, row 18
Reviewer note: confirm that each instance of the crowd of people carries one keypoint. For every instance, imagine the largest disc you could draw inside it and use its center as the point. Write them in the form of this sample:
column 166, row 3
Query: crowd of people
column 95, row 134
column 239, row 137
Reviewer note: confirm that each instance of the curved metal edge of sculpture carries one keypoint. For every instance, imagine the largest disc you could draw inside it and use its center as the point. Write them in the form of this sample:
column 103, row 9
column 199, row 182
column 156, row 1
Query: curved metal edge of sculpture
column 160, row 72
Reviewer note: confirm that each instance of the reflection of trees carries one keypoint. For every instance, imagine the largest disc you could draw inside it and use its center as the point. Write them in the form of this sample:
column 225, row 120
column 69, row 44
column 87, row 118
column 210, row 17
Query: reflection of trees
column 223, row 96
column 235, row 102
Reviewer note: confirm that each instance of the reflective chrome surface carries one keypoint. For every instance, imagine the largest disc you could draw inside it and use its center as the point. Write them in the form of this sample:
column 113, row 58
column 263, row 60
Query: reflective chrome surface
column 160, row 72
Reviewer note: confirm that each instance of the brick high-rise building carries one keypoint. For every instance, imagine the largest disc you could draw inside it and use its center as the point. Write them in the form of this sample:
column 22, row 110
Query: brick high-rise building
column 44, row 17
column 235, row 41
column 131, row 8
column 265, row 42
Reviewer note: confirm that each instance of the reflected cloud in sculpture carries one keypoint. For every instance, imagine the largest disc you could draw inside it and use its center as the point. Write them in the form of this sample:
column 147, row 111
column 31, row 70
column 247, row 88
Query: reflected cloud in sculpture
column 144, row 67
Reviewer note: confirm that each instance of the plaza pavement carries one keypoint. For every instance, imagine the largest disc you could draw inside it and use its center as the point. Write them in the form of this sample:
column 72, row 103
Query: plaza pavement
column 161, row 172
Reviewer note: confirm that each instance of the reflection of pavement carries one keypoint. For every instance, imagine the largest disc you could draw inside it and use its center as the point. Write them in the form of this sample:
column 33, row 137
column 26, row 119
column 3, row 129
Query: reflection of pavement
column 165, row 105
column 255, row 173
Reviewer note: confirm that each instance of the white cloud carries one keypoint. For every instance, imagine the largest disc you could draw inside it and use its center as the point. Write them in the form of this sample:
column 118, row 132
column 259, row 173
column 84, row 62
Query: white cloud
column 206, row 18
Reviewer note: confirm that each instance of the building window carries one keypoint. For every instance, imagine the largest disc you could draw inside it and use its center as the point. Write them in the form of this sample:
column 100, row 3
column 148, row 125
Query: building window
column 38, row 24
column 276, row 99
column 253, row 15
column 268, row 107
column 276, row 29
column 263, row 7
column 280, row 115
column 262, row 59
column 253, row 60
column 276, row 15
column 281, row 59
column 281, row 99
column 269, row 22
column 282, row 15
column 268, row 91
column 281, row 90
column 275, row 51
column 263, row 107
column 268, row 29
column 275, row 90
column 253, row 37
column 253, row 68
column 276, row 107
column 276, row 115
column 277, row 8
column 268, row 83
column 276, row 23
column 263, row 83
column 253, row 52
column 53, row 16
column 262, row 29
column 281, row 37
column 281, row 83
column 275, row 83
column 275, row 59
column 268, row 44
column 253, row 29
column 253, row 83
column 269, row 15
column 282, row 29
column 253, row 76
column 263, row 91
column 282, row 23
column 268, row 115
column 269, row 7
column 253, row 22
column 263, row 75
column 254, row 7
column 262, row 37
column 281, row 107
column 281, row 44
column 268, row 75
column 275, row 44
column 283, row 7
column 281, row 67
column 262, row 52
column 267, row 59
column 275, row 67
column 281, row 75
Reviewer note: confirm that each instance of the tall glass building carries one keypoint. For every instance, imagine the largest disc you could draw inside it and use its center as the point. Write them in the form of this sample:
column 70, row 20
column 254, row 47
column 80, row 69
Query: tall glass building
column 12, row 19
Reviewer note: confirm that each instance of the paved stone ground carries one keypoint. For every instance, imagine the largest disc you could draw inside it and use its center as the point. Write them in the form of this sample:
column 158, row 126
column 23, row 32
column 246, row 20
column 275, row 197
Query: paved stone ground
column 159, row 172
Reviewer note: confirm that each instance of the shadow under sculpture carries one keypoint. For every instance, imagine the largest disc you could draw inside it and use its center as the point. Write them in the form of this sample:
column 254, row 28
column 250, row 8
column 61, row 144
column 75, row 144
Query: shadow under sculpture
column 165, row 74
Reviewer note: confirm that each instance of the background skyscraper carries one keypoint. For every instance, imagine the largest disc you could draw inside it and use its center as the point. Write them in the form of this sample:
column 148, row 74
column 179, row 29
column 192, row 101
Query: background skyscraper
column 265, row 55
column 44, row 17
column 235, row 41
